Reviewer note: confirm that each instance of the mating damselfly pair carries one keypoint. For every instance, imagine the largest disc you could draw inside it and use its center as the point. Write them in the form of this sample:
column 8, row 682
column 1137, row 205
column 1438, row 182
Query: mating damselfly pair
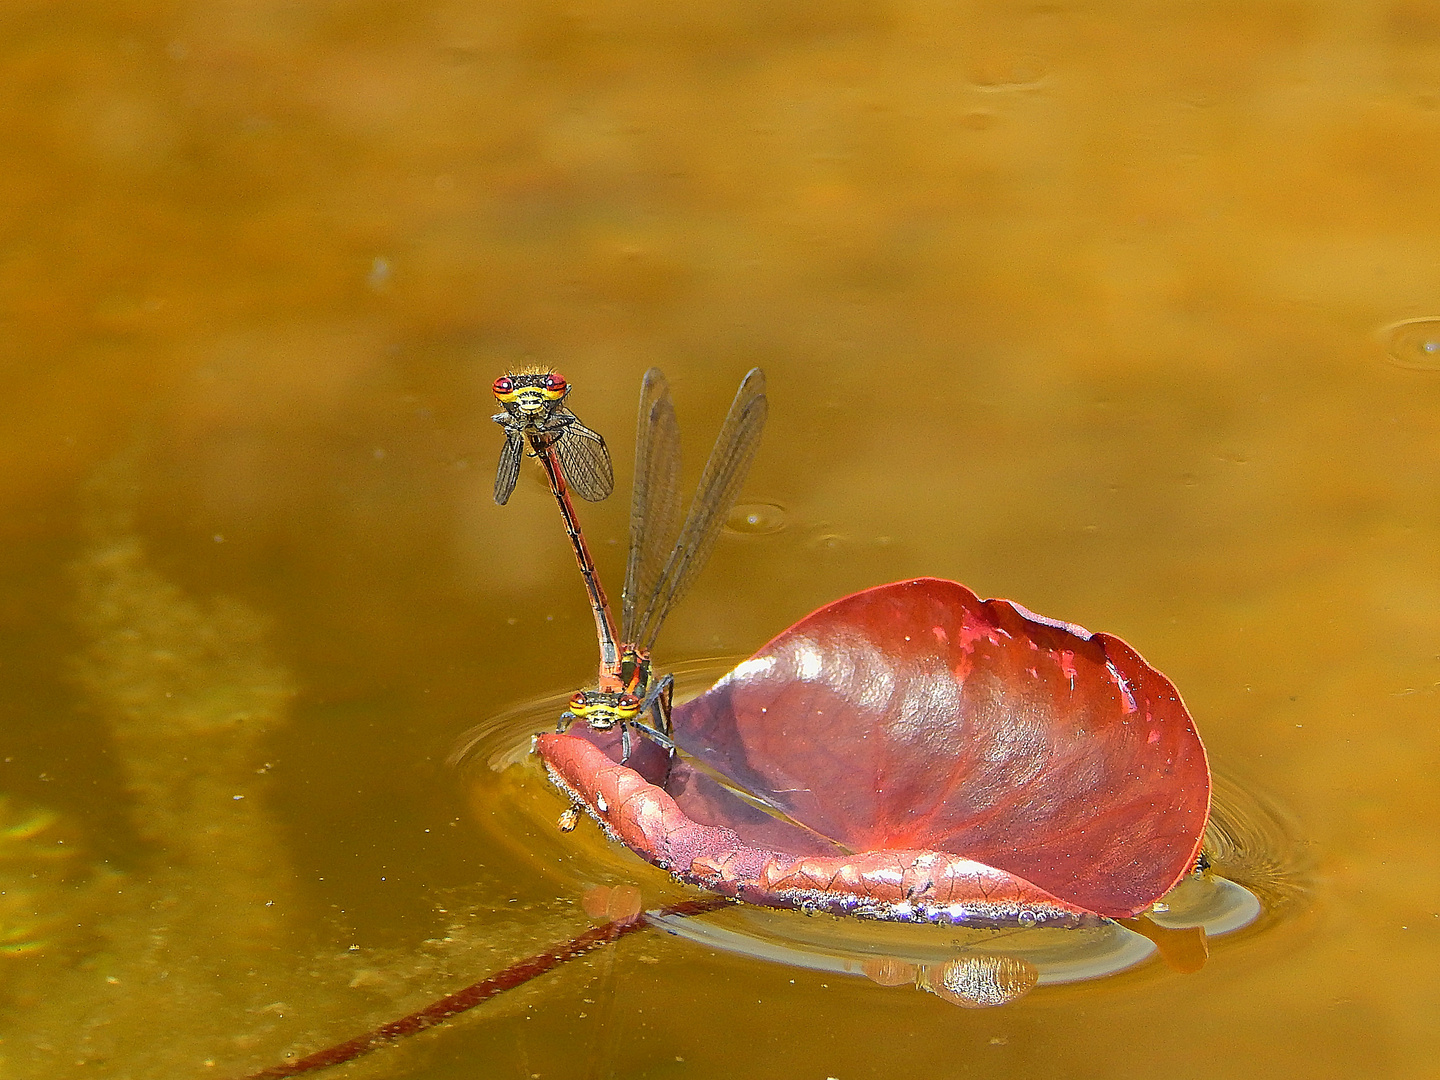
column 665, row 555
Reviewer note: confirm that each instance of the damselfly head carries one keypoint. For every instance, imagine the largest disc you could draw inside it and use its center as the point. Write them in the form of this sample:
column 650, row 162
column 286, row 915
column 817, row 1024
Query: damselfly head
column 602, row 710
column 530, row 393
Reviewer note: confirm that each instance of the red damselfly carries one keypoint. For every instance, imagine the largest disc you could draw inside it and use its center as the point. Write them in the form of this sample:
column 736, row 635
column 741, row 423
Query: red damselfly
column 574, row 457
column 666, row 554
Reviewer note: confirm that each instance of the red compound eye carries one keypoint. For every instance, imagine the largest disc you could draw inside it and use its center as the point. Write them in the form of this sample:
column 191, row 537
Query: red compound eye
column 578, row 700
column 628, row 701
column 503, row 385
column 554, row 382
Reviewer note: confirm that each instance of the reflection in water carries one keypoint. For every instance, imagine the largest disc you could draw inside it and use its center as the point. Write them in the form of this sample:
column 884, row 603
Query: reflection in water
column 979, row 982
column 604, row 902
column 1250, row 840
column 904, row 953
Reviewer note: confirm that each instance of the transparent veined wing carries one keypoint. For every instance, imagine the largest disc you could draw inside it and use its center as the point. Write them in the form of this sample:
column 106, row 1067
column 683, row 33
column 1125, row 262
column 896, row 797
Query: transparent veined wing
column 730, row 460
column 508, row 470
column 655, row 504
column 585, row 460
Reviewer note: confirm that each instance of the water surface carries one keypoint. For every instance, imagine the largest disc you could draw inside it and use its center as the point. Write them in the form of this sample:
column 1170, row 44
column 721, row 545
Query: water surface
column 1093, row 308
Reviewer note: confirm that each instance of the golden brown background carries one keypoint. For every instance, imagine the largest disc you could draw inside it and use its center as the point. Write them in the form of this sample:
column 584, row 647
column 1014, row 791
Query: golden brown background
column 1080, row 304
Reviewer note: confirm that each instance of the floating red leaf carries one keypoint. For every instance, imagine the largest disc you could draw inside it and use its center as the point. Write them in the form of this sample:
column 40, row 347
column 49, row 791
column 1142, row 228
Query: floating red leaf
column 938, row 756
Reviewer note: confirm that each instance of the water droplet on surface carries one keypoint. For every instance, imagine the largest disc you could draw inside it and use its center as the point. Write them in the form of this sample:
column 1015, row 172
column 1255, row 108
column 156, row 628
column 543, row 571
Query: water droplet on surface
column 1413, row 343
column 979, row 982
column 889, row 971
column 756, row 519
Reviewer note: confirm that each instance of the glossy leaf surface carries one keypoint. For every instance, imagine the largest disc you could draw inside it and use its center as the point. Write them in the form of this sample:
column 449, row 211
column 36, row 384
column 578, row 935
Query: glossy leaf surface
column 917, row 724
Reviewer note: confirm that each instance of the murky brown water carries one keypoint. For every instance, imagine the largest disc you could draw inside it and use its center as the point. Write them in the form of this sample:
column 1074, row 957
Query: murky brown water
column 1081, row 307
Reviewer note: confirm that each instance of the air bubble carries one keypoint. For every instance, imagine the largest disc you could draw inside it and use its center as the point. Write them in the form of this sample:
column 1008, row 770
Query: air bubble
column 979, row 982
column 756, row 519
column 1413, row 343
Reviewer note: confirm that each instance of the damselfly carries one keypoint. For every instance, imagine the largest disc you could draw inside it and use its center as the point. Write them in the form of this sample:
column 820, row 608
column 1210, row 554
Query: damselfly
column 573, row 456
column 665, row 556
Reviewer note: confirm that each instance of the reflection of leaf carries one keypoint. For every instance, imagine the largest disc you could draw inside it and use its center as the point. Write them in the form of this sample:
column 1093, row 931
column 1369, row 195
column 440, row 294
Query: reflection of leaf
column 1184, row 949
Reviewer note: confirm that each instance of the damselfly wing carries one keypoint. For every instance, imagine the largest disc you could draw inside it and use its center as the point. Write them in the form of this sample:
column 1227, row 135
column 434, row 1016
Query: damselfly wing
column 665, row 556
